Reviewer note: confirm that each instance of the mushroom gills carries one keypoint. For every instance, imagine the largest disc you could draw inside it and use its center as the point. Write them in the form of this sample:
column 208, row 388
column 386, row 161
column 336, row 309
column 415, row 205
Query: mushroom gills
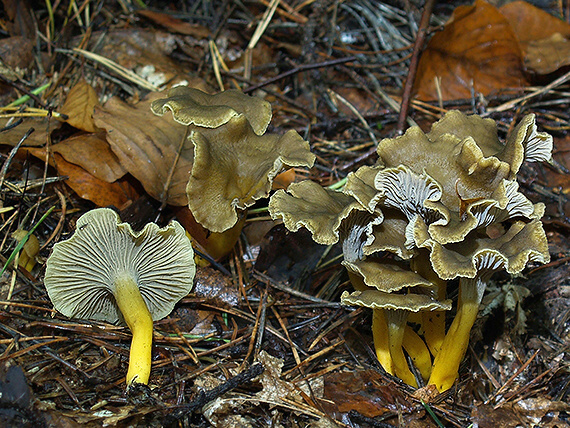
column 138, row 318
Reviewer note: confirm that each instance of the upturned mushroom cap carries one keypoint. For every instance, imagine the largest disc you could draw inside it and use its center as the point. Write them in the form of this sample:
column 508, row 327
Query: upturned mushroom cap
column 191, row 106
column 376, row 299
column 81, row 271
column 526, row 144
column 478, row 255
column 386, row 276
column 308, row 204
column 233, row 167
column 458, row 177
column 360, row 185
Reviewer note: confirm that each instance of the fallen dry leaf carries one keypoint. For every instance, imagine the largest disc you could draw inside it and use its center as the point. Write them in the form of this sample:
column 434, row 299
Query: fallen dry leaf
column 86, row 185
column 16, row 52
column 547, row 55
column 282, row 180
column 478, row 48
column 363, row 391
column 543, row 38
column 146, row 146
column 21, row 20
column 79, row 106
column 42, row 126
column 144, row 51
column 531, row 23
column 99, row 192
column 92, row 153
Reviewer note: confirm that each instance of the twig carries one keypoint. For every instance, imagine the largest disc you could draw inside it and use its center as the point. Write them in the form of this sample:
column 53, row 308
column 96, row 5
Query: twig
column 510, row 104
column 418, row 46
column 11, row 156
column 22, row 89
column 512, row 378
column 259, row 326
column 299, row 69
column 210, row 395
column 268, row 280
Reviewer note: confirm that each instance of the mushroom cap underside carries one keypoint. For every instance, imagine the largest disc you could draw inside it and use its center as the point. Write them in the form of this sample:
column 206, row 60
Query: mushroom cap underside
column 81, row 271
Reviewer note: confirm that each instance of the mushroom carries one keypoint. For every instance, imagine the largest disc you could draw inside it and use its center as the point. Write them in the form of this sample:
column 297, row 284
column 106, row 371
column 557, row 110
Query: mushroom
column 108, row 272
column 221, row 184
column 235, row 162
column 435, row 207
column 30, row 250
column 393, row 309
column 190, row 106
column 463, row 181
column 364, row 233
column 474, row 261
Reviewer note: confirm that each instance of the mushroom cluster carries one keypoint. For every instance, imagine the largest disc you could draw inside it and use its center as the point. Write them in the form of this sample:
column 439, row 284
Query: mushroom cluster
column 108, row 272
column 235, row 161
column 435, row 207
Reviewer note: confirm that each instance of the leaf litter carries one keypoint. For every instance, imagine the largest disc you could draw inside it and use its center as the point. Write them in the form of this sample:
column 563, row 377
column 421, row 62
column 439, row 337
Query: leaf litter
column 250, row 348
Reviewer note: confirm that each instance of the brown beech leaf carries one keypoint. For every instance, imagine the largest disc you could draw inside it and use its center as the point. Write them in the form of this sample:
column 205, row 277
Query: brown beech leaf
column 16, row 52
column 176, row 25
column 93, row 154
column 282, row 180
column 547, row 55
column 146, row 146
column 79, row 106
column 87, row 186
column 91, row 188
column 42, row 126
column 478, row 48
column 531, row 23
column 363, row 391
column 544, row 39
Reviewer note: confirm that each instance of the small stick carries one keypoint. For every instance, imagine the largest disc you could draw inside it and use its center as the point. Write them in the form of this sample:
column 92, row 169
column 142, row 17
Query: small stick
column 418, row 46
column 210, row 395
column 22, row 89
column 299, row 69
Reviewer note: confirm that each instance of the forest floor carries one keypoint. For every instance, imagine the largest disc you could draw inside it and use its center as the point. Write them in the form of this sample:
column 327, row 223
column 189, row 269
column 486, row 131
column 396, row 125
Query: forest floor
column 262, row 340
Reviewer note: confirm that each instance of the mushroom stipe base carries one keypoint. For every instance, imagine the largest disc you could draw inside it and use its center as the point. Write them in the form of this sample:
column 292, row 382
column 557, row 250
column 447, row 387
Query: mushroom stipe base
column 138, row 318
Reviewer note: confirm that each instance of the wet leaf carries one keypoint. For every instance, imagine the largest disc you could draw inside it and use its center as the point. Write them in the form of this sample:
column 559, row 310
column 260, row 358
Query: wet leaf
column 91, row 188
column 215, row 287
column 146, row 146
column 478, row 48
column 531, row 23
column 93, row 154
column 543, row 38
column 79, row 106
column 363, row 391
column 547, row 55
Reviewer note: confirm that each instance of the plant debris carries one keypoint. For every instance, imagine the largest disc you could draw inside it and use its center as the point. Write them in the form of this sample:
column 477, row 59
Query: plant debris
column 262, row 339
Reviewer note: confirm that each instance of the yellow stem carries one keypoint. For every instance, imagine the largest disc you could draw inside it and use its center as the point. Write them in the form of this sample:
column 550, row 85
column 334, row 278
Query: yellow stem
column 381, row 343
column 433, row 325
column 433, row 322
column 446, row 365
column 418, row 352
column 139, row 320
column 396, row 326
